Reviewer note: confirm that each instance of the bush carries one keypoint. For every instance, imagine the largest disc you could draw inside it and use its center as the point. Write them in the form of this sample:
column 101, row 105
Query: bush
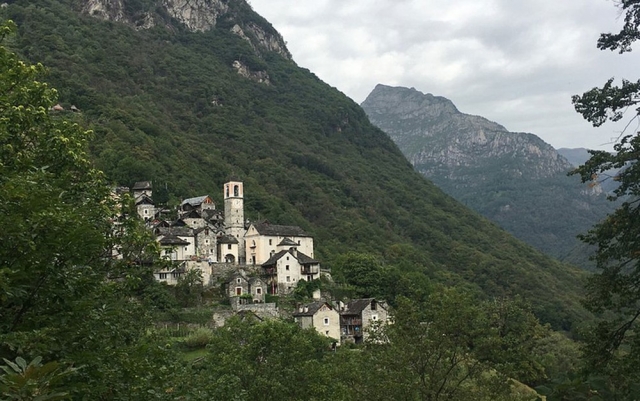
column 199, row 338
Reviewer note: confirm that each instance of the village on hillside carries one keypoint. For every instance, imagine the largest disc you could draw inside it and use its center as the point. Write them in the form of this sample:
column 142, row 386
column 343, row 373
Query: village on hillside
column 251, row 260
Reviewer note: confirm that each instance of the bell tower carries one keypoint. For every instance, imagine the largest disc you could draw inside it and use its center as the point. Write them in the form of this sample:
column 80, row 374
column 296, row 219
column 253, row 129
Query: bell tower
column 234, row 214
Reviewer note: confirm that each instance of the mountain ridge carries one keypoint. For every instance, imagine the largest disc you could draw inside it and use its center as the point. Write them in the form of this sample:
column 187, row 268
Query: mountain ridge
column 511, row 178
column 167, row 104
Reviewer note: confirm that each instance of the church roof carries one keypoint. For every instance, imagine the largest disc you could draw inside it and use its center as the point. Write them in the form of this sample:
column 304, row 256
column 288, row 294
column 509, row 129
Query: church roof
column 281, row 231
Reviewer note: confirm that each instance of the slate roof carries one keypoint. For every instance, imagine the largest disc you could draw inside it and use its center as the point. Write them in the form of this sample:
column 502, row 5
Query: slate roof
column 193, row 214
column 173, row 240
column 227, row 239
column 356, row 306
column 282, row 231
column 301, row 257
column 312, row 308
column 288, row 242
column 194, row 201
column 142, row 185
column 177, row 231
column 144, row 200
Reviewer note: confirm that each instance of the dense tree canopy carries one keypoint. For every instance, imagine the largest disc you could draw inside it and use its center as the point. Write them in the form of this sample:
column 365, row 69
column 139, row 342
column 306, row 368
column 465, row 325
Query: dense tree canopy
column 614, row 349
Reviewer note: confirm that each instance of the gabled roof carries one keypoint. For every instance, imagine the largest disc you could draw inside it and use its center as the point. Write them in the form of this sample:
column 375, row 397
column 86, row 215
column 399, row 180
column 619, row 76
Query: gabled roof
column 193, row 214
column 300, row 257
column 227, row 239
column 142, row 185
column 281, row 231
column 356, row 306
column 177, row 231
column 144, row 200
column 195, row 201
column 311, row 309
column 288, row 242
column 173, row 240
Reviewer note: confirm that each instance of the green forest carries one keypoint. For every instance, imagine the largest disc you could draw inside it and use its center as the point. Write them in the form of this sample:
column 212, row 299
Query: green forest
column 477, row 314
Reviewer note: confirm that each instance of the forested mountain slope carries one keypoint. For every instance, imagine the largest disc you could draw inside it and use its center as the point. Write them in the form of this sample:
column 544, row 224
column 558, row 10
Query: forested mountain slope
column 514, row 179
column 188, row 103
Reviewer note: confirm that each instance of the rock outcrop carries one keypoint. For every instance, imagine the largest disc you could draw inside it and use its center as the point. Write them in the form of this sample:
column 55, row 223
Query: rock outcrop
column 195, row 15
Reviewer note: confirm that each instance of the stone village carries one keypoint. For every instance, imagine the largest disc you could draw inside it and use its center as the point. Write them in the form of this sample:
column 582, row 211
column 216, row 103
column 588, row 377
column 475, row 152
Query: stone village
column 251, row 260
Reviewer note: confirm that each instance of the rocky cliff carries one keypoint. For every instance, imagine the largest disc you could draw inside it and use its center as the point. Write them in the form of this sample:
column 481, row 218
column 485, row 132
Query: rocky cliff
column 514, row 179
column 194, row 15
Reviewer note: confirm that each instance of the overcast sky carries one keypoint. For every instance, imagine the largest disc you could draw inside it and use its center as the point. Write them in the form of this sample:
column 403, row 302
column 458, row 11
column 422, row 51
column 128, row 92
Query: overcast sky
column 516, row 62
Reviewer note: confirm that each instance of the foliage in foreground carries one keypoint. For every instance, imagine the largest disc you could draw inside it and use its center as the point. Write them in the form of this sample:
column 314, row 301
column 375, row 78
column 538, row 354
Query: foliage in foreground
column 612, row 353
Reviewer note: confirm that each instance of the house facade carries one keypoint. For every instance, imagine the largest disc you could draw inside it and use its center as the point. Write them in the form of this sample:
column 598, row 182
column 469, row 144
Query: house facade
column 285, row 269
column 359, row 315
column 320, row 316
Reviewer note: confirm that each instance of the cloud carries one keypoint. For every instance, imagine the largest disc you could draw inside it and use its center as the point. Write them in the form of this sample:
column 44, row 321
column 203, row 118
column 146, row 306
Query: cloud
column 514, row 62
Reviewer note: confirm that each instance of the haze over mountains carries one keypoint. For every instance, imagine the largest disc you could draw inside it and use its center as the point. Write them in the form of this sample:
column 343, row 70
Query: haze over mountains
column 189, row 93
column 514, row 179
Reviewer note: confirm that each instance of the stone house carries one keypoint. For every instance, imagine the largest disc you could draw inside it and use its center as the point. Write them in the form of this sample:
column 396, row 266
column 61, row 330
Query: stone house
column 321, row 316
column 286, row 268
column 241, row 285
column 206, row 238
column 263, row 240
column 199, row 203
column 359, row 315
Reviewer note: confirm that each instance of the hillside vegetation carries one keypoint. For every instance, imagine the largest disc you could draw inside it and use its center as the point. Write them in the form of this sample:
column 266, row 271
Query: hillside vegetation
column 166, row 104
column 514, row 179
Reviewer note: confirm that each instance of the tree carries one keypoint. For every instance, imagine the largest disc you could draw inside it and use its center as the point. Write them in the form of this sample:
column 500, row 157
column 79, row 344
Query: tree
column 613, row 350
column 451, row 348
column 63, row 299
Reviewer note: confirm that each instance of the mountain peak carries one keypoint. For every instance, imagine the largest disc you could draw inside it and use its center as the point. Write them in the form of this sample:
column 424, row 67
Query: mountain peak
column 385, row 98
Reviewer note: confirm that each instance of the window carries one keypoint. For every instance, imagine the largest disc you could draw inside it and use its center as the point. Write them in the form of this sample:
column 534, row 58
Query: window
column 228, row 246
column 235, row 190
column 374, row 317
column 270, row 242
column 287, row 258
column 287, row 267
column 146, row 211
column 288, row 279
column 374, row 305
column 326, row 333
column 259, row 291
column 206, row 241
column 238, row 280
column 227, row 191
column 326, row 321
column 238, row 290
column 185, row 248
column 162, row 276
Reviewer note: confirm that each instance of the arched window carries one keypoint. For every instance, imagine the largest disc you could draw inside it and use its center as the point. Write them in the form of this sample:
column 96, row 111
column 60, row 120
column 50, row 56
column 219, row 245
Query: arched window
column 235, row 190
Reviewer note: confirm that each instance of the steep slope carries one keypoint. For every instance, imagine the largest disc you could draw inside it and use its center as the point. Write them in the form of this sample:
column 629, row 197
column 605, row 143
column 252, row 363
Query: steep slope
column 189, row 105
column 514, row 179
